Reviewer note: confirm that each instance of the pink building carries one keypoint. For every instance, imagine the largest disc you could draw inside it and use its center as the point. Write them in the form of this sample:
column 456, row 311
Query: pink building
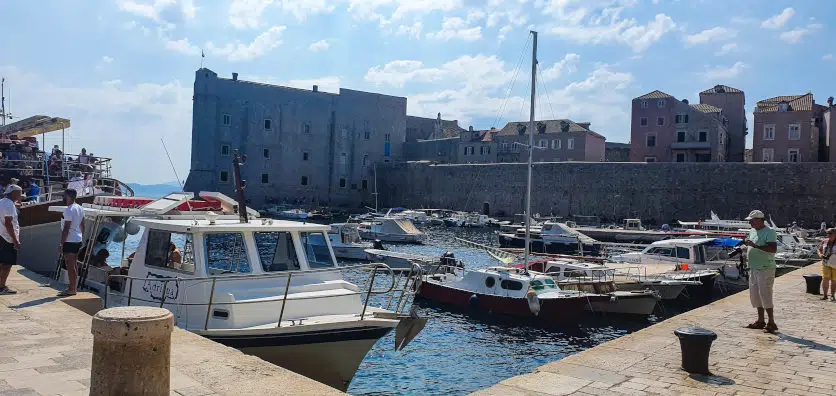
column 733, row 103
column 665, row 129
column 789, row 129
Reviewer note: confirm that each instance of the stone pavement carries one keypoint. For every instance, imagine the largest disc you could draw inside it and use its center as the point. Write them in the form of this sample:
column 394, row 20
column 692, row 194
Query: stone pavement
column 800, row 360
column 46, row 349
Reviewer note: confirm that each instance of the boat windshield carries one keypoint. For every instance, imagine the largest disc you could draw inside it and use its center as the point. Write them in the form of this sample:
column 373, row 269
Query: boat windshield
column 226, row 253
column 276, row 251
column 543, row 284
column 317, row 254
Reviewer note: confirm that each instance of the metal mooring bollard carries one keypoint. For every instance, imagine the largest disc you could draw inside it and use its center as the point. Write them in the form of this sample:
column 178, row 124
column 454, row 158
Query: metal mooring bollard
column 696, row 345
column 131, row 351
column 813, row 283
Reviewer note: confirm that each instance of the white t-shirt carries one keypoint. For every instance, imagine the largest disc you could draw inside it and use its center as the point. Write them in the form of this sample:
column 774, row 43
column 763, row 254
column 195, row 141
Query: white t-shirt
column 8, row 209
column 830, row 261
column 75, row 214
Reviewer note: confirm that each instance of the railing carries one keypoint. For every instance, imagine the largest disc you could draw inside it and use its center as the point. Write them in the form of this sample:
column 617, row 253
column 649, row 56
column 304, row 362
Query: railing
column 411, row 282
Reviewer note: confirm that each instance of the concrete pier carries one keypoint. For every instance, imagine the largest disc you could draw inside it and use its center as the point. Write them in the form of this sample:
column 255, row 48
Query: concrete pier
column 799, row 360
column 46, row 348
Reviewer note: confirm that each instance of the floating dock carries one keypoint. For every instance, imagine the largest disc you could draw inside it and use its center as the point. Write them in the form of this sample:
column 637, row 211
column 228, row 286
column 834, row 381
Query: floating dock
column 46, row 349
column 799, row 360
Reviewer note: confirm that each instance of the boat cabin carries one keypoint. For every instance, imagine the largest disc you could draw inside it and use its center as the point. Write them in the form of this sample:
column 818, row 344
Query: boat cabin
column 680, row 251
column 633, row 224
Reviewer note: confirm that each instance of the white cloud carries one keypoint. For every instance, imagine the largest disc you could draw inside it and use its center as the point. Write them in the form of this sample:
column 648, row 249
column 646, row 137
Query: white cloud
column 795, row 35
column 103, row 62
column 106, row 59
column 456, row 28
column 160, row 11
column 478, row 72
column 726, row 48
column 237, row 51
column 778, row 21
column 248, row 14
column 503, row 31
column 319, row 46
column 568, row 65
column 182, row 46
column 413, row 30
column 420, row 7
column 827, row 57
column 713, row 34
column 721, row 73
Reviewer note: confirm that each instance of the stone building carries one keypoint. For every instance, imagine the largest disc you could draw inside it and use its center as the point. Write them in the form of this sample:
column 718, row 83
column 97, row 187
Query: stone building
column 555, row 141
column 733, row 103
column 302, row 146
column 789, row 129
column 665, row 129
column 617, row 152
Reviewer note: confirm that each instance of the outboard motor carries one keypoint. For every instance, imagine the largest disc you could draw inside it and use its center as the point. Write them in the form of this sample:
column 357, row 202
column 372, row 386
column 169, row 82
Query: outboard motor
column 448, row 262
column 378, row 244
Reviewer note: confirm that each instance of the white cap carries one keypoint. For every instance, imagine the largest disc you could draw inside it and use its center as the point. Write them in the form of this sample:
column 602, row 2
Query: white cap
column 755, row 214
column 13, row 187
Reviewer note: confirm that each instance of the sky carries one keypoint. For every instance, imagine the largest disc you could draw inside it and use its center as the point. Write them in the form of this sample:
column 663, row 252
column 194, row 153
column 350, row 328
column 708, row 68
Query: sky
column 122, row 71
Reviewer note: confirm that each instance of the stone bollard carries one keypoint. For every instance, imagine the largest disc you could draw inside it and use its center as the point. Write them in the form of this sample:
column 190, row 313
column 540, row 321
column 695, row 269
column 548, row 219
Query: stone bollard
column 131, row 351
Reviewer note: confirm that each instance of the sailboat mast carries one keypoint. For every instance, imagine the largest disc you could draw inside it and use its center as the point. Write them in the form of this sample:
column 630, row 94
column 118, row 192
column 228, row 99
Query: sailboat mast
column 375, row 188
column 530, row 150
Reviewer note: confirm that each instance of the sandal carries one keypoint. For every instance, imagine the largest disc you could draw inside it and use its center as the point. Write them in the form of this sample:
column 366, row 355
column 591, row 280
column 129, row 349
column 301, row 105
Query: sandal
column 824, row 298
column 756, row 325
column 771, row 328
column 65, row 293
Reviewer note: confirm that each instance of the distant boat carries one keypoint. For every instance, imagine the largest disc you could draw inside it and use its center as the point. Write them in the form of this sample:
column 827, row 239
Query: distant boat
column 294, row 214
column 345, row 241
column 388, row 229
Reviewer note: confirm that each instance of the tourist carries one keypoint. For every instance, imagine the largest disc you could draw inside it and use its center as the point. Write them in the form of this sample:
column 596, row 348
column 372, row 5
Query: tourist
column 83, row 158
column 72, row 230
column 763, row 244
column 828, row 265
column 174, row 255
column 10, row 233
column 34, row 191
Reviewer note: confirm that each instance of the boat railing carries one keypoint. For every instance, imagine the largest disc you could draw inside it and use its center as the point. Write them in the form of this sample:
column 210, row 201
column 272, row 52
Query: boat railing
column 410, row 283
column 71, row 166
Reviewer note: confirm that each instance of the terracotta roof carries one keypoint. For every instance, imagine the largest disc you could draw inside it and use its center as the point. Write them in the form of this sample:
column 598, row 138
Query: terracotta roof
column 796, row 102
column 706, row 108
column 720, row 89
column 551, row 126
column 655, row 95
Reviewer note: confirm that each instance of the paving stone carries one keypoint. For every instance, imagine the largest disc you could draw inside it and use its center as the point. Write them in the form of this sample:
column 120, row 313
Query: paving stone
column 585, row 372
column 194, row 391
column 548, row 383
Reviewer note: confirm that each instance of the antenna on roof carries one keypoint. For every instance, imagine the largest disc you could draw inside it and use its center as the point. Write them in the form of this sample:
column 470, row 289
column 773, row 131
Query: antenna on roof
column 3, row 114
column 170, row 162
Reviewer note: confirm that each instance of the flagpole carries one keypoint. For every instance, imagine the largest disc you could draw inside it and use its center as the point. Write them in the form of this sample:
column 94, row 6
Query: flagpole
column 202, row 55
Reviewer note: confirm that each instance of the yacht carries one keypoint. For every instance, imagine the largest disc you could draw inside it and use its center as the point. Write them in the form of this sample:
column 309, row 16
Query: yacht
column 254, row 284
column 552, row 237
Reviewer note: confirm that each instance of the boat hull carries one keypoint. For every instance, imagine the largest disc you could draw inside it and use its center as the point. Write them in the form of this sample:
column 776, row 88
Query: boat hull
column 665, row 291
column 552, row 311
column 328, row 356
column 350, row 252
column 629, row 303
column 402, row 238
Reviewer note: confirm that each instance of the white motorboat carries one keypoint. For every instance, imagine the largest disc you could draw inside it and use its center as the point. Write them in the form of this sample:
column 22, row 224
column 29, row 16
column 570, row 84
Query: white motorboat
column 388, row 229
column 345, row 241
column 297, row 214
column 253, row 284
column 399, row 261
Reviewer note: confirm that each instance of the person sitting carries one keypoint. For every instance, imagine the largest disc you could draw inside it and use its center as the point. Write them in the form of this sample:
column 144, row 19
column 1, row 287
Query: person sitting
column 33, row 191
column 175, row 258
column 83, row 158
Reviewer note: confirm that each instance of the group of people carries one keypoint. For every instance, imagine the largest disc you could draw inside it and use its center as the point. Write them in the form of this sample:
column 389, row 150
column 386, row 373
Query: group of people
column 72, row 230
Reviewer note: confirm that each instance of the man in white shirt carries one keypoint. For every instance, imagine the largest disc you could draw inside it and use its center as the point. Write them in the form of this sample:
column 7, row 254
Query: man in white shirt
column 72, row 230
column 9, row 235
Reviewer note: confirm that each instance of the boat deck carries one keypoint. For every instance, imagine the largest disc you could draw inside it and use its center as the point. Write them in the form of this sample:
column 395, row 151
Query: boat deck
column 799, row 360
column 46, row 349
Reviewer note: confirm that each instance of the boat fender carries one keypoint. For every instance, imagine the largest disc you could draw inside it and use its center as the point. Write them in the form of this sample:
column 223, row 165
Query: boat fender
column 473, row 301
column 131, row 228
column 120, row 236
column 613, row 299
column 533, row 302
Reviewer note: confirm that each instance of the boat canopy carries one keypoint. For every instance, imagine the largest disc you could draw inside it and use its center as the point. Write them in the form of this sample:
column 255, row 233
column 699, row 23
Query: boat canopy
column 399, row 226
column 725, row 242
column 35, row 125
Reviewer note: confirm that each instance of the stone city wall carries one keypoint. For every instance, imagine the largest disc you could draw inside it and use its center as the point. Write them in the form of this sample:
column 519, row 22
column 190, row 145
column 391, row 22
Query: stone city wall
column 657, row 193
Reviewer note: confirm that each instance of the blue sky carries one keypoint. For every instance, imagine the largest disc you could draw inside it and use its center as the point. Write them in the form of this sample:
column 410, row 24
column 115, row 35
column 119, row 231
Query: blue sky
column 122, row 70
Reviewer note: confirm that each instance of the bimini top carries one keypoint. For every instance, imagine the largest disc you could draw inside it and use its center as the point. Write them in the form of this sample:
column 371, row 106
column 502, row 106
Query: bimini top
column 682, row 242
column 203, row 224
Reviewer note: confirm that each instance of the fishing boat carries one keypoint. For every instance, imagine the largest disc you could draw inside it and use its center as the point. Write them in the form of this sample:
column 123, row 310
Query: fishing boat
column 254, row 284
column 345, row 241
column 510, row 291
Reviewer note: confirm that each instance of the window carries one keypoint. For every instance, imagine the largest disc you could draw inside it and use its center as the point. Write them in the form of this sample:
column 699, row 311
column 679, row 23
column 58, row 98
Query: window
column 342, row 182
column 171, row 251
column 782, row 107
column 343, row 162
column 265, row 178
column 481, row 150
column 660, row 121
column 683, row 253
column 643, row 121
column 306, row 128
column 344, row 134
column 487, row 149
column 226, row 120
column 511, row 284
column 649, row 159
column 644, row 104
column 570, row 144
column 554, row 144
column 266, row 153
column 703, row 136
column 316, row 251
column 795, row 132
column 225, row 149
column 662, row 251
column 768, row 154
column 304, row 180
column 268, row 124
column 304, row 156
column 660, row 103
column 490, row 282
column 465, row 150
column 223, row 177
column 650, row 140
column 543, row 143
column 680, row 157
column 276, row 251
column 769, row 132
column 793, row 155
column 366, row 135
column 365, row 159
column 226, row 253
column 364, row 185
column 680, row 136
column 387, row 137
column 682, row 118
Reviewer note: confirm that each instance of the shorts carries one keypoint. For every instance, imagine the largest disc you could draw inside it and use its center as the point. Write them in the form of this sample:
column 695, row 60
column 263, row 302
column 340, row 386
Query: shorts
column 8, row 253
column 71, row 247
column 828, row 272
column 760, row 287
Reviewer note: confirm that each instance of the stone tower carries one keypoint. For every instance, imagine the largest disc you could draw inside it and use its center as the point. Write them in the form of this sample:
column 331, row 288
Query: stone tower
column 733, row 103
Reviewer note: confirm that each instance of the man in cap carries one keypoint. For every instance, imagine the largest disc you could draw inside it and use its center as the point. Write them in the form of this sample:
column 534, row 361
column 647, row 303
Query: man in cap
column 763, row 244
column 9, row 235
column 828, row 264
column 72, row 234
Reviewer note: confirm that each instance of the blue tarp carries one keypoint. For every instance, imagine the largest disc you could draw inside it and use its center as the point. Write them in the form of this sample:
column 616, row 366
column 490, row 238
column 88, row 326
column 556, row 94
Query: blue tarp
column 725, row 242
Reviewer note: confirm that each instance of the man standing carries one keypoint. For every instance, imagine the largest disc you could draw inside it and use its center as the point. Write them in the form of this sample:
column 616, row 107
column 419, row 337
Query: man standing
column 763, row 244
column 71, row 236
column 828, row 264
column 10, row 233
